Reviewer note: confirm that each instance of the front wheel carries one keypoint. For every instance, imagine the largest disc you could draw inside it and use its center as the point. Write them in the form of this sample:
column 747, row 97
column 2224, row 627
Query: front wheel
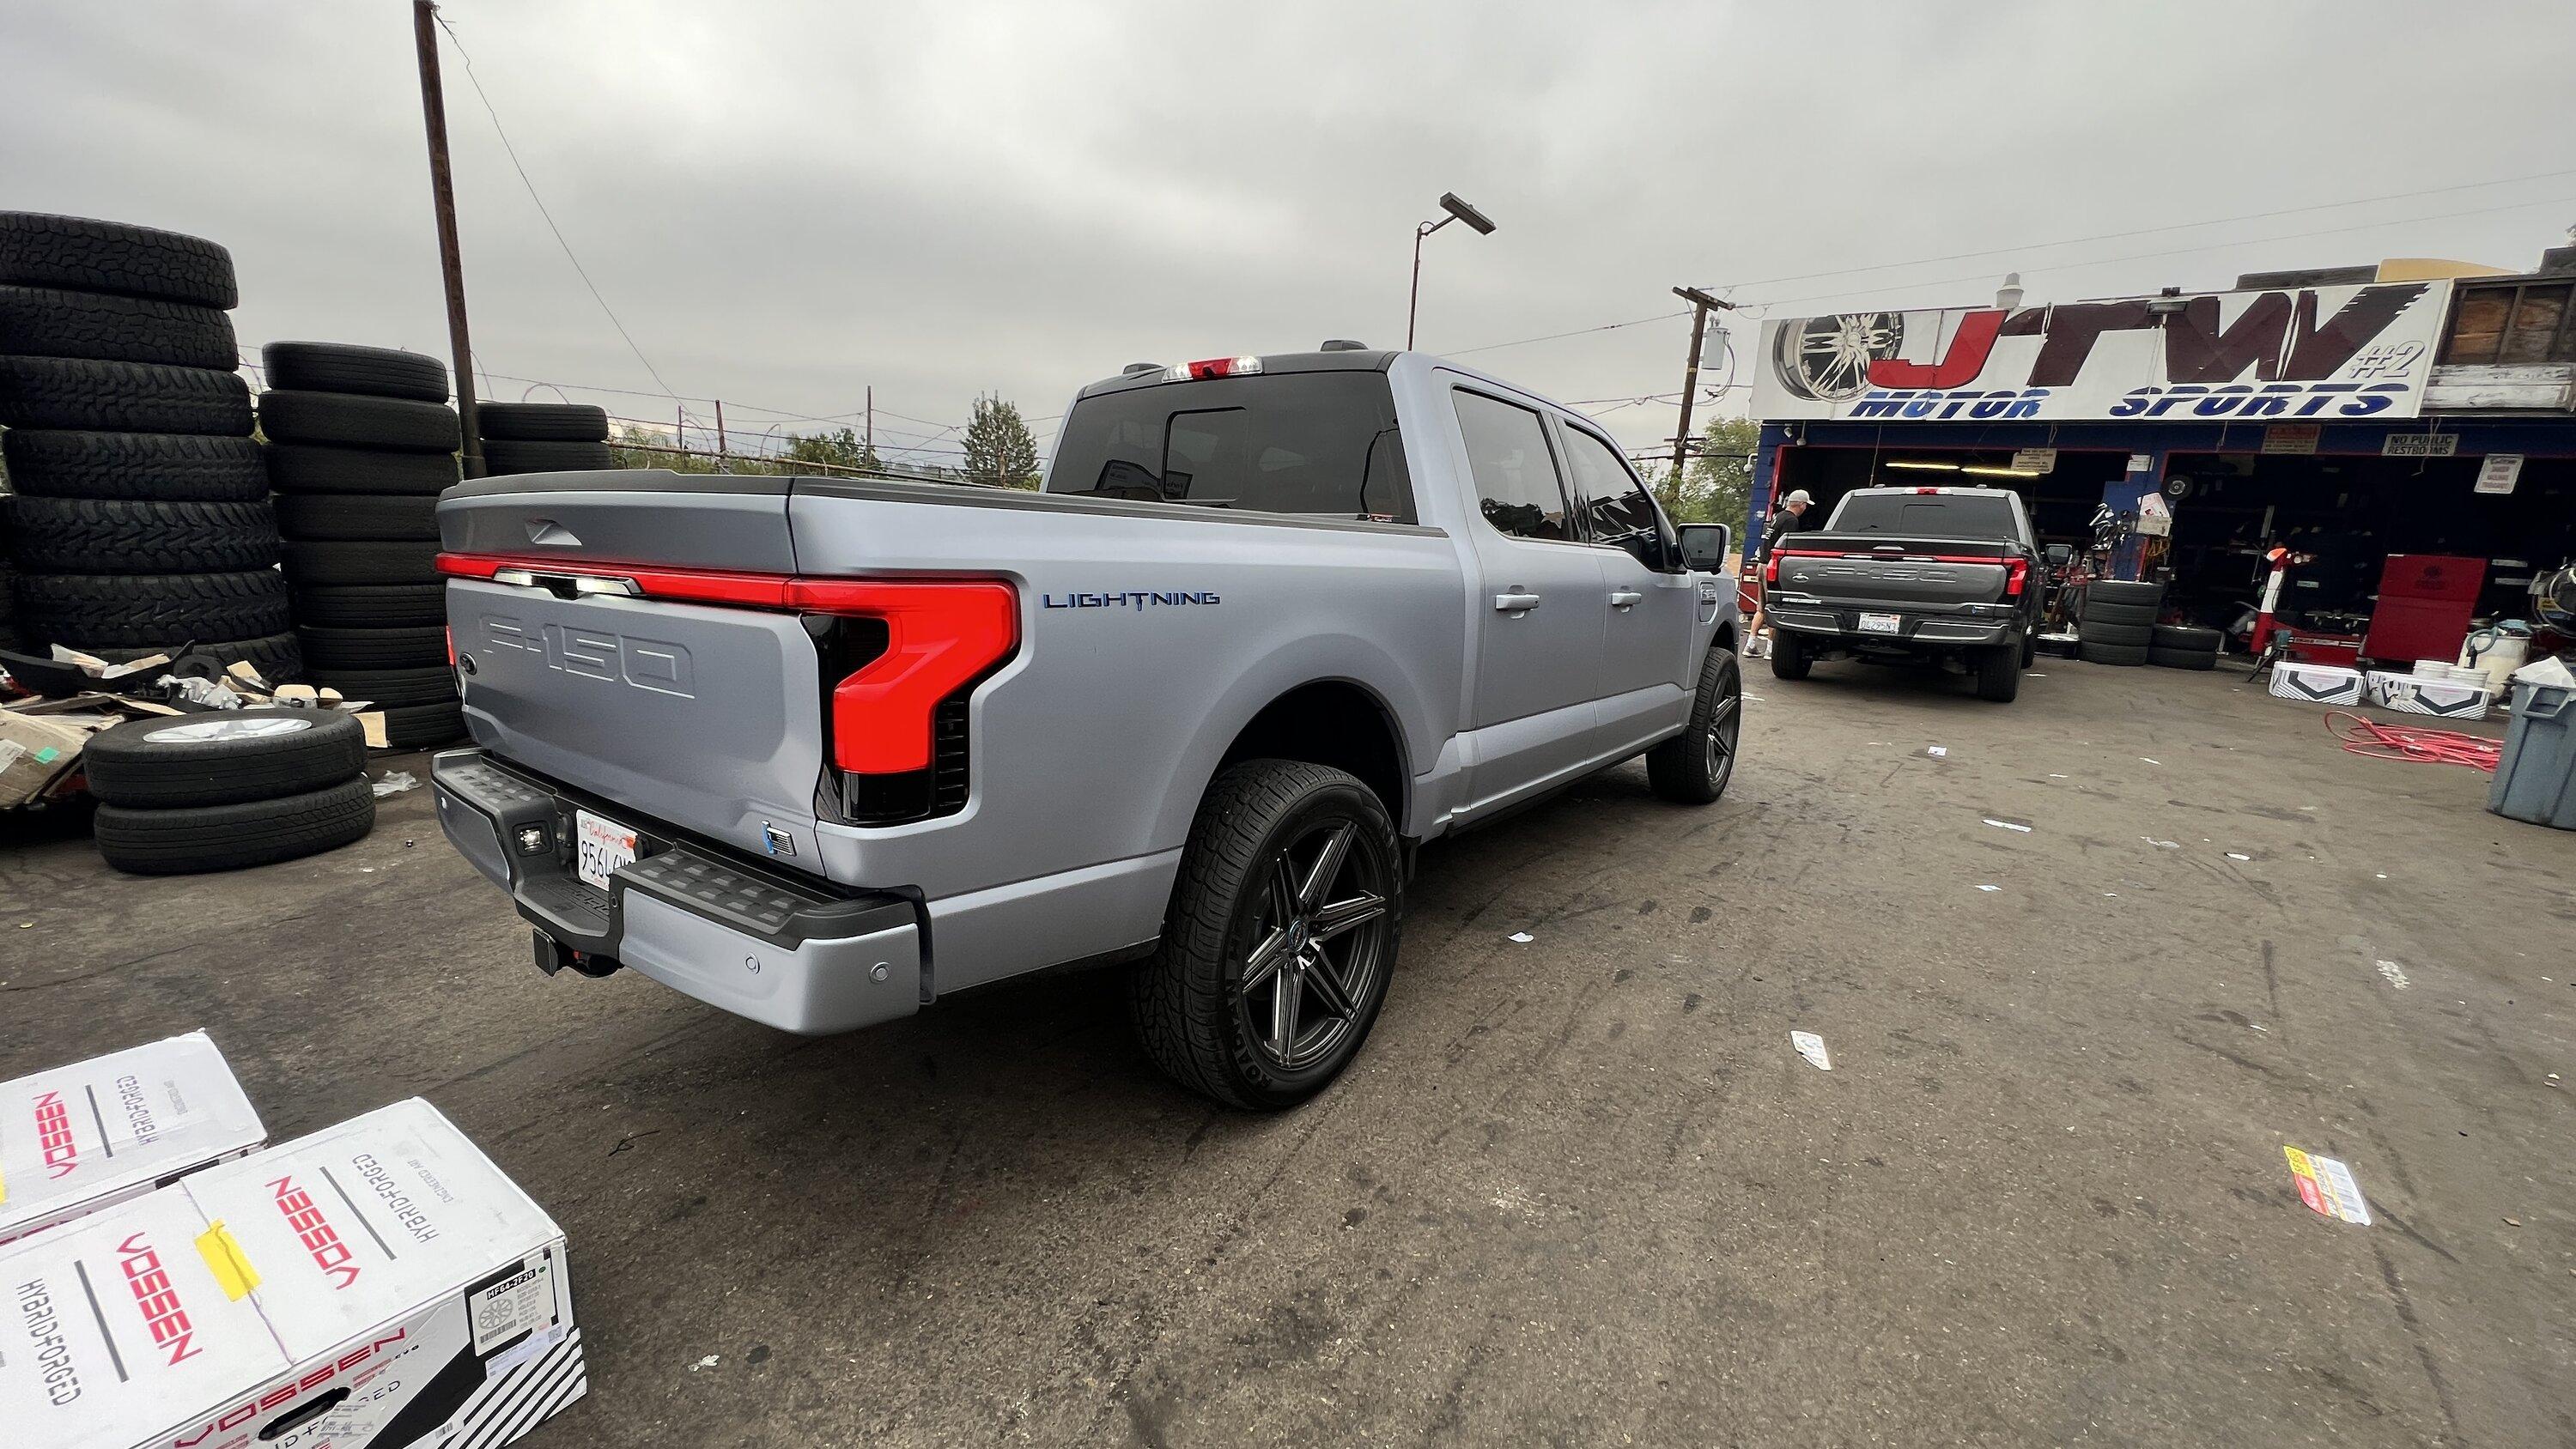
column 1692, row 767
column 1280, row 940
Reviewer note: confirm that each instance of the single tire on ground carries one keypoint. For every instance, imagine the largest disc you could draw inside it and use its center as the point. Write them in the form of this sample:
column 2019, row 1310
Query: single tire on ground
column 139, row 536
column 223, row 757
column 278, row 657
column 417, row 647
column 1693, row 767
column 501, row 457
column 2112, row 653
column 418, row 726
column 169, row 467
column 372, row 606
column 2123, row 591
column 1999, row 673
column 1276, row 846
column 345, row 367
column 541, row 422
column 1789, row 658
column 2187, row 637
column 296, row 468
column 358, row 516
column 2183, row 658
column 390, row 687
column 311, row 563
column 231, row 837
column 86, row 255
column 2127, row 615
column 122, row 397
column 152, row 611
column 49, row 322
column 2121, row 635
column 348, row 421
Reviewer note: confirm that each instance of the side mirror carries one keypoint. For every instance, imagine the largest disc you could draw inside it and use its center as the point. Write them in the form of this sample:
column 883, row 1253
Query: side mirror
column 1705, row 546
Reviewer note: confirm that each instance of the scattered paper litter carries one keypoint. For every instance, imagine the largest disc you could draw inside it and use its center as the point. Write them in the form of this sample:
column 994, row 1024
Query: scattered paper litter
column 2327, row 1187
column 2161, row 844
column 1812, row 1047
column 2007, row 825
column 708, row 1362
column 2143, row 760
column 1523, row 936
column 2395, row 973
column 394, row 782
column 1990, row 888
column 2057, row 777
column 1757, row 699
column 1936, row 751
column 2238, row 855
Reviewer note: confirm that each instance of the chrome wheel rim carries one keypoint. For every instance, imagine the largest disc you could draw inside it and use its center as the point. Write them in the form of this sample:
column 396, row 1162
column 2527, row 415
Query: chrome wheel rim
column 199, row 731
column 1317, row 957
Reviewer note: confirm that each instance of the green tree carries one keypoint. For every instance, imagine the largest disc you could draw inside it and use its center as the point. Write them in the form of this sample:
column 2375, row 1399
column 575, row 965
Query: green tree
column 844, row 449
column 999, row 451
column 1718, row 486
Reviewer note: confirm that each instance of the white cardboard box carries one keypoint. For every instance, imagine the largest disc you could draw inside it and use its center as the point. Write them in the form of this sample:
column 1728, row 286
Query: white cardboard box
column 96, row 1133
column 376, row 1285
column 2317, row 683
column 2415, row 694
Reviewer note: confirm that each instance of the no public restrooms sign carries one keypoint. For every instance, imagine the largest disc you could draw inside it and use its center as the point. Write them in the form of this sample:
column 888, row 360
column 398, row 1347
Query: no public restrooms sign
column 2325, row 354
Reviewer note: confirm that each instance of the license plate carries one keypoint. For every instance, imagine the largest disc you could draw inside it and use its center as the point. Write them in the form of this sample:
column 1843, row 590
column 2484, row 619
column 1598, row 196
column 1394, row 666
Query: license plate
column 599, row 847
column 1882, row 623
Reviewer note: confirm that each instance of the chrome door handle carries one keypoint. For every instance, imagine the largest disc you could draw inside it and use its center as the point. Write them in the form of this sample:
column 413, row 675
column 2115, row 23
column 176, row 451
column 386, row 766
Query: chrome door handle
column 1515, row 603
column 1625, row 598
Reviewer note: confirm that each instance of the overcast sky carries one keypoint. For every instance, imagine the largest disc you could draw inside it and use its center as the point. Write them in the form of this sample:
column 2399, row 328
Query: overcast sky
column 786, row 202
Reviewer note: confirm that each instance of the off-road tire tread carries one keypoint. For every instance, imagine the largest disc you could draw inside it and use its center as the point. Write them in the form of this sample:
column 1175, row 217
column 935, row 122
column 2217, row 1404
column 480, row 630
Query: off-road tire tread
column 52, row 322
column 153, row 611
column 87, row 394
column 87, row 255
column 162, row 467
column 141, row 536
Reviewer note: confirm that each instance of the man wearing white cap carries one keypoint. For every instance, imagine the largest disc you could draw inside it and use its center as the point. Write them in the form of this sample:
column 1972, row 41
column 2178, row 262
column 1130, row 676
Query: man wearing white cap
column 1784, row 520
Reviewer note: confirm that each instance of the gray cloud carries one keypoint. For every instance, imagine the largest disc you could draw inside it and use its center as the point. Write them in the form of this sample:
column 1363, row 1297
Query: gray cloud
column 787, row 202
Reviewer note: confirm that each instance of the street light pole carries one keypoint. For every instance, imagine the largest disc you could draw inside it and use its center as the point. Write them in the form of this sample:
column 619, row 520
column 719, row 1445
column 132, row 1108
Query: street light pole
column 1458, row 211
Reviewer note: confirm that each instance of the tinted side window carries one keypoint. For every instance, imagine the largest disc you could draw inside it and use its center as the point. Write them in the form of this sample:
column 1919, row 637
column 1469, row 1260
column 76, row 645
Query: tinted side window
column 1614, row 502
column 1516, row 484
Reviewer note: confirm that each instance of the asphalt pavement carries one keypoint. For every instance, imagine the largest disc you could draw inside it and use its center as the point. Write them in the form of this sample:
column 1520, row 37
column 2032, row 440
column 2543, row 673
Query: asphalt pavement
column 1579, row 1190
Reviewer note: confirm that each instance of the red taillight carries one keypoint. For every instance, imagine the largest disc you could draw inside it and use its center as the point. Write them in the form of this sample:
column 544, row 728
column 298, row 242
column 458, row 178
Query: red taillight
column 2016, row 573
column 450, row 631
column 1771, row 570
column 940, row 633
column 1212, row 367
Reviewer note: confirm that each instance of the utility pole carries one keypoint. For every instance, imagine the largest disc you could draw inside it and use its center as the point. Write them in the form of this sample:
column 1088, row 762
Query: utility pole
column 720, row 432
column 1700, row 302
column 442, row 191
column 871, row 450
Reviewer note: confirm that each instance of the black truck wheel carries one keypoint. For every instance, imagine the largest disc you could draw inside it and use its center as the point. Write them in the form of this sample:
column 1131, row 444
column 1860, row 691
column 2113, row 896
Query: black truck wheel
column 76, row 252
column 296, row 468
column 345, row 420
column 365, row 371
column 1692, row 767
column 139, row 536
column 1280, row 940
column 541, row 422
column 1789, row 658
column 231, row 837
column 1999, row 673
column 122, row 397
column 168, row 467
column 50, row 322
column 223, row 757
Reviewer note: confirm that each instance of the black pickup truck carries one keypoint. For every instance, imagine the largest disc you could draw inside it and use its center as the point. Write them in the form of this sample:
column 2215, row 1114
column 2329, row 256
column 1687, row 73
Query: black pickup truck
column 1911, row 575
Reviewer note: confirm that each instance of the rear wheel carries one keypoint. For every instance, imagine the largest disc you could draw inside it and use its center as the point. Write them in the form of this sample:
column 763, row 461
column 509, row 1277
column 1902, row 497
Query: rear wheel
column 1692, row 767
column 1281, row 938
column 1788, row 656
column 1999, row 673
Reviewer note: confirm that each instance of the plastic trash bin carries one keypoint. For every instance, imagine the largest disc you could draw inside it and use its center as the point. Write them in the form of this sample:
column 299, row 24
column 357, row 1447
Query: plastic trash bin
column 2536, row 778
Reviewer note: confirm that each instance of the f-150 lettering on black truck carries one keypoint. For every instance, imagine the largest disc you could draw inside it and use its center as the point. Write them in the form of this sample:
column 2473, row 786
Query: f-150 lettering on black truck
column 1904, row 575
column 817, row 751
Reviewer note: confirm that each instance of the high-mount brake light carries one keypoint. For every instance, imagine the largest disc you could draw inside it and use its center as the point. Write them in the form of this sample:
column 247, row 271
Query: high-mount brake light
column 1212, row 367
column 940, row 634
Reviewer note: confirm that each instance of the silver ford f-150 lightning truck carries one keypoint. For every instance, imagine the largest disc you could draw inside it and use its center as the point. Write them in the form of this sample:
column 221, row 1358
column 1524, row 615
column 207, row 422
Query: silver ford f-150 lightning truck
column 818, row 750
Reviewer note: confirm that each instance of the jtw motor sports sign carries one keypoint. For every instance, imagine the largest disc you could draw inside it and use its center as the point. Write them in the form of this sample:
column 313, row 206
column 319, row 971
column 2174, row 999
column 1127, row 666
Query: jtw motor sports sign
column 2326, row 353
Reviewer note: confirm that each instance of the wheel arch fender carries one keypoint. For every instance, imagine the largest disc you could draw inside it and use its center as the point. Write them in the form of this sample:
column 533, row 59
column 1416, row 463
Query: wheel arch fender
column 1268, row 696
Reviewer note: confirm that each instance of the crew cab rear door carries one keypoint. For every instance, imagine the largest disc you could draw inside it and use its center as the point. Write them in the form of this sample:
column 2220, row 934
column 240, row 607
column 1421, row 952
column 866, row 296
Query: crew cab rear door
column 1650, row 613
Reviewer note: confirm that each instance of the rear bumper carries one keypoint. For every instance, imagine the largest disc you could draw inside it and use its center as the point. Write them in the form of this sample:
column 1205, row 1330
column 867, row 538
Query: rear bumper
column 698, row 918
column 1969, row 627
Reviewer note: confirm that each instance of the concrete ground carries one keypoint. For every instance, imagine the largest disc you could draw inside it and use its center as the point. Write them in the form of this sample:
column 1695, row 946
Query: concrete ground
column 1577, row 1191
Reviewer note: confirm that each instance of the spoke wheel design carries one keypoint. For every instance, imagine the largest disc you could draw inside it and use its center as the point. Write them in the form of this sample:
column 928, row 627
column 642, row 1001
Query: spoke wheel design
column 1725, row 725
column 1827, row 358
column 1318, row 938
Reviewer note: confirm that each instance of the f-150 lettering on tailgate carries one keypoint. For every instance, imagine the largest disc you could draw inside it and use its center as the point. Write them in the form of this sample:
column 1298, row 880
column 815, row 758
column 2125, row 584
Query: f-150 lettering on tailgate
column 654, row 664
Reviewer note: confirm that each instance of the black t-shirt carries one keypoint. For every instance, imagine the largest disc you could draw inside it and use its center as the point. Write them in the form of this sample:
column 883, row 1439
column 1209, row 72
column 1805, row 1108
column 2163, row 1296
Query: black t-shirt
column 1782, row 523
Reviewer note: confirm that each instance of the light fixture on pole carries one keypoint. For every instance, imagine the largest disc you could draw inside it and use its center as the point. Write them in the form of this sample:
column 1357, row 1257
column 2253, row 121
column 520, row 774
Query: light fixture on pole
column 1458, row 211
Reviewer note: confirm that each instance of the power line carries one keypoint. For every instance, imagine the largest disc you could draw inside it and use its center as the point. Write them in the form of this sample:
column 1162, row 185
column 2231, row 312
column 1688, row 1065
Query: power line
column 513, row 153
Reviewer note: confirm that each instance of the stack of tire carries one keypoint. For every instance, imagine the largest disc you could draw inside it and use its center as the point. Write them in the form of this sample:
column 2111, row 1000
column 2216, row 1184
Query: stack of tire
column 141, row 518
column 228, row 789
column 360, row 441
column 2184, row 646
column 2116, row 623
column 542, row 437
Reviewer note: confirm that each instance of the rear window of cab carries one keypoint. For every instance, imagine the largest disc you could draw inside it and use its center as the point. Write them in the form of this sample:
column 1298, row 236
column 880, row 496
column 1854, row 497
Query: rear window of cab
column 1300, row 442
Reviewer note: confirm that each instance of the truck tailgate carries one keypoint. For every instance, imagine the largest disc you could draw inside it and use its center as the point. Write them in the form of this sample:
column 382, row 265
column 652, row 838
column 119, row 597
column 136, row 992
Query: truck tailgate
column 1873, row 568
column 703, row 717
